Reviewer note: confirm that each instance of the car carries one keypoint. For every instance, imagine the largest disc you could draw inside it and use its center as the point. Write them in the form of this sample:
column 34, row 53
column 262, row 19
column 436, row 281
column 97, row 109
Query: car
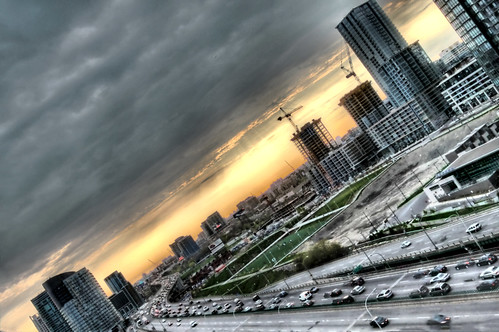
column 314, row 290
column 163, row 321
column 344, row 300
column 439, row 319
column 219, row 307
column 247, row 309
column 441, row 277
column 214, row 304
column 308, row 303
column 258, row 302
column 486, row 259
column 379, row 321
column 225, row 310
column 236, row 300
column 283, row 294
column 384, row 295
column 442, row 288
column 488, row 285
column 290, row 305
column 238, row 309
column 227, row 305
column 358, row 290
column 194, row 323
column 335, row 292
column 423, row 291
column 179, row 319
column 214, row 312
column 273, row 306
column 276, row 300
column 357, row 281
column 170, row 323
column 179, row 323
column 490, row 272
column 405, row 244
column 474, row 228
column 205, row 308
column 438, row 269
column 306, row 295
column 256, row 297
column 421, row 273
column 199, row 306
column 259, row 307
column 465, row 264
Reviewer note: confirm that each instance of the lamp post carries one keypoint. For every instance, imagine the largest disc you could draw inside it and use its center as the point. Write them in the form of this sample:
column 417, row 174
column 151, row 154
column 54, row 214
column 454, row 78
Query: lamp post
column 365, row 304
column 429, row 238
column 393, row 213
column 405, row 197
column 384, row 259
column 372, row 225
column 472, row 236
column 422, row 185
column 363, row 251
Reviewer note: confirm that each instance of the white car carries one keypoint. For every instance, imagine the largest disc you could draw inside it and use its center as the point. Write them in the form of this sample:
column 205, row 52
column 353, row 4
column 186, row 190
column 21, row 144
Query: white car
column 306, row 295
column 205, row 308
column 490, row 272
column 358, row 290
column 474, row 228
column 384, row 295
column 258, row 302
column 405, row 244
column 194, row 323
column 441, row 277
column 290, row 305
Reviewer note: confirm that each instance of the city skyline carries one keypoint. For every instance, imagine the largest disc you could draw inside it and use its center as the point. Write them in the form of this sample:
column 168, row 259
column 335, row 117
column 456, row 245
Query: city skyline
column 135, row 233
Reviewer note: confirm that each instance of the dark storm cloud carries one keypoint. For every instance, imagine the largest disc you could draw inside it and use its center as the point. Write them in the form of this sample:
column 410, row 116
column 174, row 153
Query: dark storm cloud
column 96, row 93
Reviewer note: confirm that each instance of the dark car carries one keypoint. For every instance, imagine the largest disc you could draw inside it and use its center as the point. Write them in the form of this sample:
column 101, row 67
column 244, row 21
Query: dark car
column 357, row 281
column 214, row 312
column 438, row 269
column 256, row 297
column 283, row 294
column 421, row 273
column 465, row 264
column 441, row 288
column 259, row 307
column 440, row 320
column 238, row 308
column 335, row 292
column 488, row 285
column 486, row 259
column 344, row 300
column 421, row 292
column 379, row 321
column 308, row 303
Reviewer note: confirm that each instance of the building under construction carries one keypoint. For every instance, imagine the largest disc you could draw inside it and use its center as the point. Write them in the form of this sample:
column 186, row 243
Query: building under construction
column 314, row 141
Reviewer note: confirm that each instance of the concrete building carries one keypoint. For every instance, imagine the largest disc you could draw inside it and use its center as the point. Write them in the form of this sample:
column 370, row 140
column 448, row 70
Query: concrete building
column 213, row 224
column 49, row 313
column 82, row 302
column 477, row 23
column 466, row 86
column 313, row 140
column 364, row 105
column 249, row 203
column 476, row 138
column 39, row 323
column 184, row 246
column 453, row 55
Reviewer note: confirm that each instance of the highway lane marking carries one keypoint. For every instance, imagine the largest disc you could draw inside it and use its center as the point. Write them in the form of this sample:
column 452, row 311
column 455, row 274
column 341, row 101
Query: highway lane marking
column 355, row 321
column 398, row 280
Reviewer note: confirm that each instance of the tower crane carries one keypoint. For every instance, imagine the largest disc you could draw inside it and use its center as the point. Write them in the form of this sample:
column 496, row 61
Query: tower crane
column 288, row 116
column 349, row 70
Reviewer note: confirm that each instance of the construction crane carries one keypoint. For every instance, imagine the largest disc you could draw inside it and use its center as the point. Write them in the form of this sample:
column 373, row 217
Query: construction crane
column 288, row 116
column 349, row 71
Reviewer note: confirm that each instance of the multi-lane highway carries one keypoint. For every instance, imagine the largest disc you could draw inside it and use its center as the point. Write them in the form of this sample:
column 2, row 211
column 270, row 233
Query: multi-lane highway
column 453, row 231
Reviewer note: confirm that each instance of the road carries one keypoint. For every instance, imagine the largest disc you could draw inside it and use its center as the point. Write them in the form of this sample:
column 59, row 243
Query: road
column 454, row 231
column 410, row 317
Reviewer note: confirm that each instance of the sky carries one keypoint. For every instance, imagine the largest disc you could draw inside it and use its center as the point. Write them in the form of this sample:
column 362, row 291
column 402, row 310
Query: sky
column 124, row 124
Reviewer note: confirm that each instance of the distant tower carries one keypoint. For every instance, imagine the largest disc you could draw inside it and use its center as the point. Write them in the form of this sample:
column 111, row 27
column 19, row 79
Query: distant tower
column 477, row 23
column 125, row 298
column 184, row 246
column 39, row 323
column 49, row 313
column 82, row 302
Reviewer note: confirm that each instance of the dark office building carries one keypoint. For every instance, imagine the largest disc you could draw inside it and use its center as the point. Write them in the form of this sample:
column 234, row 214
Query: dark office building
column 49, row 313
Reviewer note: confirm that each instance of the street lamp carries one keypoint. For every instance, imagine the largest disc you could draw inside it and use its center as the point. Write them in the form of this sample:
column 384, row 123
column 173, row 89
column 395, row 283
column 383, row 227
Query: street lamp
column 384, row 259
column 365, row 304
column 372, row 225
column 361, row 249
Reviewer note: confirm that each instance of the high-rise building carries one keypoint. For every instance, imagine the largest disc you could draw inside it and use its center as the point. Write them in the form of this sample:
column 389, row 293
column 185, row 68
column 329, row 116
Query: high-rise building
column 452, row 55
column 477, row 23
column 184, row 246
column 404, row 72
column 115, row 281
column 374, row 39
column 49, row 313
column 125, row 298
column 39, row 323
column 82, row 302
